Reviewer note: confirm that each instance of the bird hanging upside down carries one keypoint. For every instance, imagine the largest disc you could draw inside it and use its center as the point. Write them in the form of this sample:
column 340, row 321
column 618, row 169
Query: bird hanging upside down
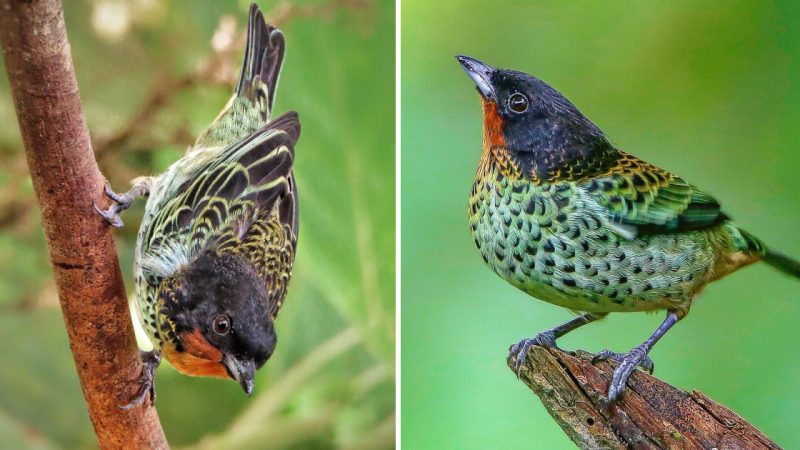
column 215, row 250
column 559, row 212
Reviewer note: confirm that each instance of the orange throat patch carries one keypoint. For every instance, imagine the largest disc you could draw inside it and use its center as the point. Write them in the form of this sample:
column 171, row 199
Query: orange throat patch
column 492, row 125
column 199, row 358
column 494, row 144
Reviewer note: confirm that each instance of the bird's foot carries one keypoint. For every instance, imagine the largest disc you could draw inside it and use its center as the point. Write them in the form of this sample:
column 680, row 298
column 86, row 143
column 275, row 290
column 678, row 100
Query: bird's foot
column 628, row 362
column 121, row 203
column 545, row 339
column 147, row 380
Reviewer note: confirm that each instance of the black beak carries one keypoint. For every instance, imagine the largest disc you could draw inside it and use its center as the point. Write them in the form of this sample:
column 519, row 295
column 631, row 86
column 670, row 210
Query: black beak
column 242, row 371
column 481, row 74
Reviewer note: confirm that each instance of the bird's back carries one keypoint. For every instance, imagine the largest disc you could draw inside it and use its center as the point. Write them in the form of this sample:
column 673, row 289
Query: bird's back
column 233, row 191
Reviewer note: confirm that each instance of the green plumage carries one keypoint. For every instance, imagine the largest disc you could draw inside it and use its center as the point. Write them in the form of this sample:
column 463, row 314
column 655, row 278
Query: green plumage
column 216, row 246
column 634, row 239
column 232, row 193
column 562, row 214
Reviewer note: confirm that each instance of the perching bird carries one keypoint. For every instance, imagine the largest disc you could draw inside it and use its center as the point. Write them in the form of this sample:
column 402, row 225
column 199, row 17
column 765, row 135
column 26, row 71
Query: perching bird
column 562, row 214
column 215, row 250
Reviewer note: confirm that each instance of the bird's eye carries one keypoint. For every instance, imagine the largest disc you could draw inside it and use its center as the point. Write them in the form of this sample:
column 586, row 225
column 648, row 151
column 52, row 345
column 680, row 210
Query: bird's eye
column 222, row 324
column 518, row 103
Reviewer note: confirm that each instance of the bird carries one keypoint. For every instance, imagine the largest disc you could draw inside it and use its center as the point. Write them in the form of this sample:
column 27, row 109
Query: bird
column 217, row 243
column 561, row 213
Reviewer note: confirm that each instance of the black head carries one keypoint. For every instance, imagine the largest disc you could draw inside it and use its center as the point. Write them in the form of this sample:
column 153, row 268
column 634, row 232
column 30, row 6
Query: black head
column 534, row 122
column 221, row 313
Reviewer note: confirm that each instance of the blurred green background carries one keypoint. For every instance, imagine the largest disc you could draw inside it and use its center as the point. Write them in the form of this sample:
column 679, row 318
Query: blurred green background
column 709, row 90
column 152, row 75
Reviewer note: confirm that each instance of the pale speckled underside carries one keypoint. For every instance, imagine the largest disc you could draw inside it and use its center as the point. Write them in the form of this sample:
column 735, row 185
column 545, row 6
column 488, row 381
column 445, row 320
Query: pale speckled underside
column 554, row 242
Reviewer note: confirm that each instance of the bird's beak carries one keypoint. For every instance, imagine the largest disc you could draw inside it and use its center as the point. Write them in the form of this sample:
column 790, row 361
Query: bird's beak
column 481, row 74
column 243, row 371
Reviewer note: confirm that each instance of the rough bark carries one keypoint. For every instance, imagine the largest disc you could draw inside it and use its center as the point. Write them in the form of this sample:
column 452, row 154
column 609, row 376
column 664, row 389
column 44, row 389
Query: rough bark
column 66, row 181
column 651, row 414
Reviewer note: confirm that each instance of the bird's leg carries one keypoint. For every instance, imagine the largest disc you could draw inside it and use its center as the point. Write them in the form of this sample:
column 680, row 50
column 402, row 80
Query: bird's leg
column 548, row 338
column 147, row 380
column 636, row 357
column 141, row 188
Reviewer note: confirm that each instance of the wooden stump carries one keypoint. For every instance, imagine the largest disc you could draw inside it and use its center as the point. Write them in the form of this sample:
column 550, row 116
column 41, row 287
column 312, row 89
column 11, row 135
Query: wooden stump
column 650, row 415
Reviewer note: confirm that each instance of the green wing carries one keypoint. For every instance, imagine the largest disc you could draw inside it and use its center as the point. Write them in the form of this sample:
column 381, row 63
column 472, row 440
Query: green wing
column 645, row 199
column 250, row 182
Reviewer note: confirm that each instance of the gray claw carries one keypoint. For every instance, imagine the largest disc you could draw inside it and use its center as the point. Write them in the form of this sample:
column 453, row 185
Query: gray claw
column 124, row 200
column 111, row 215
column 545, row 339
column 147, row 380
column 628, row 362
column 144, row 392
column 121, row 203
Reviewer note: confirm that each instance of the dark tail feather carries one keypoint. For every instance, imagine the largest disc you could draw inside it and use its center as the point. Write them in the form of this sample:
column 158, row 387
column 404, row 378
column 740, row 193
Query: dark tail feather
column 783, row 263
column 758, row 250
column 263, row 57
column 751, row 243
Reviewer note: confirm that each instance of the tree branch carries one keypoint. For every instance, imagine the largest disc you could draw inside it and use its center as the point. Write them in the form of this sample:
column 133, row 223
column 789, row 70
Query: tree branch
column 66, row 181
column 651, row 414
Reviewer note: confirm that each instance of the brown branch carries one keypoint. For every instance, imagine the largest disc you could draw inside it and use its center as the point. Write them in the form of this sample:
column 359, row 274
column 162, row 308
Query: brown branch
column 651, row 414
column 66, row 181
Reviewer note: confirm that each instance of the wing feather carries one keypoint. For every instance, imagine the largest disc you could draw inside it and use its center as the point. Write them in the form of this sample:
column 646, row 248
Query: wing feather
column 247, row 183
column 645, row 199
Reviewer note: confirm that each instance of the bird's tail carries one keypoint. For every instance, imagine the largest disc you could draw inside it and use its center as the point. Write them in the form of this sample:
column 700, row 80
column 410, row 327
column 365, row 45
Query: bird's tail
column 777, row 260
column 250, row 108
column 783, row 263
column 263, row 58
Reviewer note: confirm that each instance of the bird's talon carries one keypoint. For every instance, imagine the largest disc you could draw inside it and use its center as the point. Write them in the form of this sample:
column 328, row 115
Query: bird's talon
column 140, row 397
column 520, row 349
column 546, row 339
column 604, row 355
column 628, row 362
column 123, row 200
column 110, row 215
column 121, row 203
column 147, row 381
column 645, row 362
column 109, row 192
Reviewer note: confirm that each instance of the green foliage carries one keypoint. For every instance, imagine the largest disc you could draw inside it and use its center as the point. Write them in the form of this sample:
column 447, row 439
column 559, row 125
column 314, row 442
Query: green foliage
column 703, row 91
column 330, row 383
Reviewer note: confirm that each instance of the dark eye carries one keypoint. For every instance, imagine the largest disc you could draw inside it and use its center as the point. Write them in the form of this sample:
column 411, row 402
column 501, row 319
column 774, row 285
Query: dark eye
column 222, row 324
column 518, row 103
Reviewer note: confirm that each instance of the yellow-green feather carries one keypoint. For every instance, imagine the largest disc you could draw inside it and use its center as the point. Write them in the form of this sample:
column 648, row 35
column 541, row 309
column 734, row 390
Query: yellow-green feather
column 569, row 242
column 233, row 191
